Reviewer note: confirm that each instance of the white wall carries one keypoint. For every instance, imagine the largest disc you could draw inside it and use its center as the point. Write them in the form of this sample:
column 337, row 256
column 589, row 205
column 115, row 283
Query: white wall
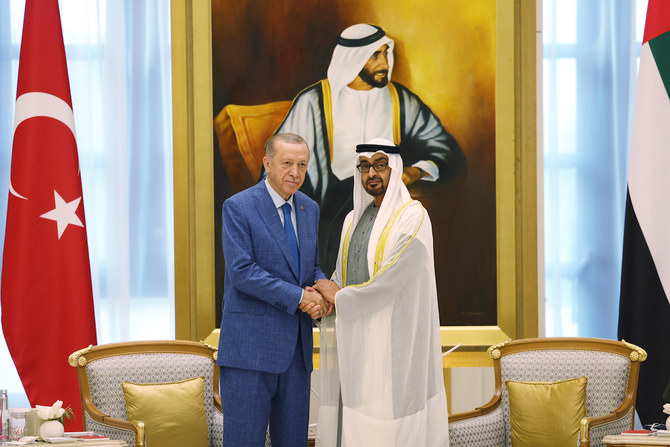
column 470, row 388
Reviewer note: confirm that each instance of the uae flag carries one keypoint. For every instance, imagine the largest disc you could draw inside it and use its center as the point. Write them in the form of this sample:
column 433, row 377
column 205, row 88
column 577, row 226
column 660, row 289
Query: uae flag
column 47, row 298
column 644, row 309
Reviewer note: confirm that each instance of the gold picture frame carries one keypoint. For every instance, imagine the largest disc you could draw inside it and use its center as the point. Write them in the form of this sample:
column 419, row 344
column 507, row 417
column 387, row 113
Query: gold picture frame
column 516, row 180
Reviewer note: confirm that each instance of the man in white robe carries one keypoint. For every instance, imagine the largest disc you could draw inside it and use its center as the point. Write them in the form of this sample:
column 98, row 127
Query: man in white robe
column 380, row 357
column 355, row 103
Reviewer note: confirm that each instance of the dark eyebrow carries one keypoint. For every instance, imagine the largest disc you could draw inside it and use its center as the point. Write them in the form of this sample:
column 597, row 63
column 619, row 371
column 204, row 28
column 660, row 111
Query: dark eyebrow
column 380, row 158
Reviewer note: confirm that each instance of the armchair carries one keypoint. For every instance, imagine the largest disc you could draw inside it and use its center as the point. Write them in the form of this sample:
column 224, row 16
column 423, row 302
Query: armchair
column 242, row 132
column 101, row 369
column 611, row 368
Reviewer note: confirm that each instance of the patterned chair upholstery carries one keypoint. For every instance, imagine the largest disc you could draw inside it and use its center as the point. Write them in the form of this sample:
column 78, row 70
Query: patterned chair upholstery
column 101, row 369
column 612, row 369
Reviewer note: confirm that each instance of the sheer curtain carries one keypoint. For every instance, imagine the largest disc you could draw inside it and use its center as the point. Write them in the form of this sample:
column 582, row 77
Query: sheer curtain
column 591, row 54
column 119, row 65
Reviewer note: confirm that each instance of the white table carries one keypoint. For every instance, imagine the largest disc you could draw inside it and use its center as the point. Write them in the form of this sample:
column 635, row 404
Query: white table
column 637, row 441
column 81, row 443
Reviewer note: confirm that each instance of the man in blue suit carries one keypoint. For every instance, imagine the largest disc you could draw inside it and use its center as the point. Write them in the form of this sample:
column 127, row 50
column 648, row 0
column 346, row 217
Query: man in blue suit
column 272, row 260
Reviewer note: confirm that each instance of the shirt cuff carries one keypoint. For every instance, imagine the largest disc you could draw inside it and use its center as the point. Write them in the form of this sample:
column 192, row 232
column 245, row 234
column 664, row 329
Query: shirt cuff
column 432, row 172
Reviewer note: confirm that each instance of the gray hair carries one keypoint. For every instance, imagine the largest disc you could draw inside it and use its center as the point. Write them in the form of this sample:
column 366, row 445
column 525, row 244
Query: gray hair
column 286, row 137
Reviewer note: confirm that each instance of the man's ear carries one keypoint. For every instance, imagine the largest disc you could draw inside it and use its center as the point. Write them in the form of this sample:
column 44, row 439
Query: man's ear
column 266, row 163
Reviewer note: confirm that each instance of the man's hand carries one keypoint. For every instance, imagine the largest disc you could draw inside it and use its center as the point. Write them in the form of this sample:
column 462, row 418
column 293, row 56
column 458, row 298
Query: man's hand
column 327, row 288
column 411, row 174
column 313, row 303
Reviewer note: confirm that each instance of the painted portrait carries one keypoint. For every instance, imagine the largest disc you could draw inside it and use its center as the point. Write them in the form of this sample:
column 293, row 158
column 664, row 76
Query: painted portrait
column 271, row 58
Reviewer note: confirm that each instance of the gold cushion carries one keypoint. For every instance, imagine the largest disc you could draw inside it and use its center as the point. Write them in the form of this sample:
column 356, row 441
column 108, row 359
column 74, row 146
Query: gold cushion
column 546, row 413
column 242, row 132
column 173, row 413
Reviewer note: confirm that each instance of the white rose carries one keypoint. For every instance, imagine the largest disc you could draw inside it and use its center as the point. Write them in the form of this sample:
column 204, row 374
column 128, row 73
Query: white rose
column 53, row 412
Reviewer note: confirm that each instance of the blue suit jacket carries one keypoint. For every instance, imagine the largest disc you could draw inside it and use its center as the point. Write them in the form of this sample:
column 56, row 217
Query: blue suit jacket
column 262, row 289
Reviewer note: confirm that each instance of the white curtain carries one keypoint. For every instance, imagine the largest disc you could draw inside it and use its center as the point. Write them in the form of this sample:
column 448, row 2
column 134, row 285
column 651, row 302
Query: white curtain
column 591, row 53
column 119, row 65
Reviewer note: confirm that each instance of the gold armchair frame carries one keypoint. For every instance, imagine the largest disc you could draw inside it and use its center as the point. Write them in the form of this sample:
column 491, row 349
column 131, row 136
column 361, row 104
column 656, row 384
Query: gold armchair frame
column 81, row 358
column 632, row 352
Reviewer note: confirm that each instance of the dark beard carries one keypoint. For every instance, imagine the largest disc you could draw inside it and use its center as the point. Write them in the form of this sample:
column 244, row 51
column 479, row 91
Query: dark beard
column 378, row 192
column 369, row 78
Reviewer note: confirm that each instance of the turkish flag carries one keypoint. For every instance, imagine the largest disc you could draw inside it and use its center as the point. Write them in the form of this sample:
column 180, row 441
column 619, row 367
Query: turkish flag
column 47, row 298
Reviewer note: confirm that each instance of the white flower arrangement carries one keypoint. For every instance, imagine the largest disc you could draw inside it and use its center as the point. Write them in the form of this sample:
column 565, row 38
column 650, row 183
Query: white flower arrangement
column 54, row 412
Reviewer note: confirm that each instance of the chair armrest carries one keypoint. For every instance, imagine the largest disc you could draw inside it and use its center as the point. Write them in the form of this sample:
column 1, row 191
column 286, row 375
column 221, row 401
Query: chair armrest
column 215, row 424
column 217, row 402
column 479, row 411
column 484, row 430
column 137, row 427
column 612, row 423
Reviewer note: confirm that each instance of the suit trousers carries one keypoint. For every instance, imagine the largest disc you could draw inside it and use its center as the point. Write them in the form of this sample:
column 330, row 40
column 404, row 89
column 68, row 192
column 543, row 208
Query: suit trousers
column 252, row 399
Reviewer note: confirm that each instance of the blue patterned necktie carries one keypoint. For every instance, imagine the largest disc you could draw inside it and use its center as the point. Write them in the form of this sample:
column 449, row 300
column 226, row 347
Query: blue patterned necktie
column 290, row 233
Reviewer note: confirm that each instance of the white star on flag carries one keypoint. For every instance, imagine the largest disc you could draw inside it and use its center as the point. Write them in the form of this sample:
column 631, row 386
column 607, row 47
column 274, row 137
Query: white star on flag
column 64, row 214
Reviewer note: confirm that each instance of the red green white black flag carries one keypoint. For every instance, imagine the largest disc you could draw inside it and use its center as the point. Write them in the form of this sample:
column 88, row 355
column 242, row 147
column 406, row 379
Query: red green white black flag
column 644, row 309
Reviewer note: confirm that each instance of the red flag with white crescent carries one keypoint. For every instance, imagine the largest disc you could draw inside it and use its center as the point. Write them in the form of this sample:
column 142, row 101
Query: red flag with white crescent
column 47, row 298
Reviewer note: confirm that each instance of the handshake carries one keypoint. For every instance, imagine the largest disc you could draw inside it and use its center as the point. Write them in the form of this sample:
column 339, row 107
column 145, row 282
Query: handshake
column 319, row 301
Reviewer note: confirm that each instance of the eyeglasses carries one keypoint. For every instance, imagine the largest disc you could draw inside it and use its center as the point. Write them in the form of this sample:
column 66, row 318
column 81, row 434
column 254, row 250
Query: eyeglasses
column 378, row 167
